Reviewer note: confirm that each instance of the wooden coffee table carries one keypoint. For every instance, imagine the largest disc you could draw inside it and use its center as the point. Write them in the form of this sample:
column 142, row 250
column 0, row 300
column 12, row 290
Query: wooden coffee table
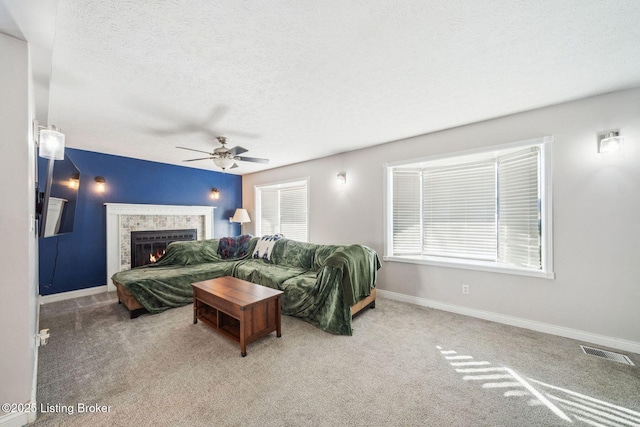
column 239, row 310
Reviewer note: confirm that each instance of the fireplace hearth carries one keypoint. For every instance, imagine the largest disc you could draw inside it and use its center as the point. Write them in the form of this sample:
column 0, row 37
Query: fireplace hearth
column 147, row 247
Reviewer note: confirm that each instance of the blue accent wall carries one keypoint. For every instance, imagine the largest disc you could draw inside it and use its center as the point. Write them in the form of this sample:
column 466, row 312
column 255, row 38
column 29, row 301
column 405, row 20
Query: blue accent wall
column 77, row 260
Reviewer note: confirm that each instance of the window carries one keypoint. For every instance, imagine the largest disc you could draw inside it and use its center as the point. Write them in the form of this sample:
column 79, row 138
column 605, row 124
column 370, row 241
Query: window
column 486, row 210
column 283, row 208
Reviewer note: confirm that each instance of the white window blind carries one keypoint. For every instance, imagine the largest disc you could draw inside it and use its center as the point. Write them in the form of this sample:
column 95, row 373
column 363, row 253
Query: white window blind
column 460, row 211
column 407, row 212
column 519, row 211
column 293, row 213
column 484, row 209
column 269, row 212
column 282, row 208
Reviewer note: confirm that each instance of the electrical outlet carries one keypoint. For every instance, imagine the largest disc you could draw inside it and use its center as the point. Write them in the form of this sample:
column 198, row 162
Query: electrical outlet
column 41, row 338
column 465, row 289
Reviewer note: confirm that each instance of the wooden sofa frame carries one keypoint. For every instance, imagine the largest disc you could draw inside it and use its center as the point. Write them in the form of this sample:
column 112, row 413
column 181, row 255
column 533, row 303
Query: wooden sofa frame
column 136, row 309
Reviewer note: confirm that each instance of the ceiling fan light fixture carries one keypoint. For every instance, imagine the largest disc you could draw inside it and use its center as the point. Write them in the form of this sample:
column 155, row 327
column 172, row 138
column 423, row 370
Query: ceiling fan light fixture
column 223, row 157
column 223, row 162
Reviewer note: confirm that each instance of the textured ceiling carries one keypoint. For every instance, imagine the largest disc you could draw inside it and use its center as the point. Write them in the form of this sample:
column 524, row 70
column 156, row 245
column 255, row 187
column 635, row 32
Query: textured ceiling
column 296, row 80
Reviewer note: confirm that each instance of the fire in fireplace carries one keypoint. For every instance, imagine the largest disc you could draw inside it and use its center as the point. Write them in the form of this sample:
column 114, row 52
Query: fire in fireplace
column 147, row 247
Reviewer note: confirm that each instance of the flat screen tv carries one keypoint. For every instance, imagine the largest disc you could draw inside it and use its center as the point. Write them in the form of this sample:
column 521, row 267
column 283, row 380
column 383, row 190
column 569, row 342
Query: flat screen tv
column 56, row 196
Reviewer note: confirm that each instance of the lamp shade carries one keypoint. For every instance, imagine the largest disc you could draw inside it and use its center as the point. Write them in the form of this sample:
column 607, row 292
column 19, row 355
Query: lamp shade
column 241, row 216
column 51, row 144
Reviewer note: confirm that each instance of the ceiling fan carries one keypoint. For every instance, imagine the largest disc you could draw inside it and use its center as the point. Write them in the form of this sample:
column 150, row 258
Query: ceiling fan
column 225, row 158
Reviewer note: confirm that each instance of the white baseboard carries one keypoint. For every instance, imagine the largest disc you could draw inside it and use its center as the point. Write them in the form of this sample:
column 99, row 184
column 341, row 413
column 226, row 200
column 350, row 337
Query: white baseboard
column 46, row 299
column 547, row 328
column 17, row 419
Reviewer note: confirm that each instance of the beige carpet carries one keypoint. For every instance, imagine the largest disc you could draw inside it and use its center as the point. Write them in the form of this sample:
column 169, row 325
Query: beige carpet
column 405, row 365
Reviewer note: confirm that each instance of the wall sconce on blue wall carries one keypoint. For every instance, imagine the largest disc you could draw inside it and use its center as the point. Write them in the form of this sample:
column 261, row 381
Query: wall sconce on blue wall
column 215, row 194
column 101, row 184
column 74, row 181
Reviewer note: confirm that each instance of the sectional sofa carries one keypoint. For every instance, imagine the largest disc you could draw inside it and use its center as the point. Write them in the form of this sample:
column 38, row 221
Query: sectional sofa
column 326, row 285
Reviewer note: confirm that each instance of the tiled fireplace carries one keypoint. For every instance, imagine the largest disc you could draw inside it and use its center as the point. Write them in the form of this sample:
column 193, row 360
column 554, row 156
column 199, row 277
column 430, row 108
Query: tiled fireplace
column 122, row 219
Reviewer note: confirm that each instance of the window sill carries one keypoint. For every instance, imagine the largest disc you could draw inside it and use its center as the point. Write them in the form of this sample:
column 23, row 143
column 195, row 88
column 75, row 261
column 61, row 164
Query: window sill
column 470, row 265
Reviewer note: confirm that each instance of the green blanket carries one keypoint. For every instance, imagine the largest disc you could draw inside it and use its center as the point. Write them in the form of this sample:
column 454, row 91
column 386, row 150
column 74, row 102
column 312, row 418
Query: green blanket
column 167, row 283
column 359, row 267
column 320, row 282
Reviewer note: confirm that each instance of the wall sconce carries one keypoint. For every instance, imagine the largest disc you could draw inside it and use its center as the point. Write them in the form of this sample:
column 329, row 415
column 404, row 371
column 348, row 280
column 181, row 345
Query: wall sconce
column 241, row 216
column 215, row 194
column 50, row 141
column 101, row 184
column 342, row 178
column 74, row 181
column 610, row 141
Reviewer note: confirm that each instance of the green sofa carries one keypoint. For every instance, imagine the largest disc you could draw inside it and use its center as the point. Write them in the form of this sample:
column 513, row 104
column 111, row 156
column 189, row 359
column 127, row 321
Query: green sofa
column 322, row 284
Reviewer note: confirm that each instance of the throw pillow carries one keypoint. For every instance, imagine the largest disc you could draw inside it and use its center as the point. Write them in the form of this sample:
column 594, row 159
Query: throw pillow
column 265, row 246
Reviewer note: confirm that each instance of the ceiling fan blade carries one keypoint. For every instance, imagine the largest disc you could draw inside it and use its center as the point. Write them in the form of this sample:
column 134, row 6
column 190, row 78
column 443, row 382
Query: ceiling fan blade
column 237, row 150
column 202, row 158
column 235, row 165
column 252, row 159
column 191, row 149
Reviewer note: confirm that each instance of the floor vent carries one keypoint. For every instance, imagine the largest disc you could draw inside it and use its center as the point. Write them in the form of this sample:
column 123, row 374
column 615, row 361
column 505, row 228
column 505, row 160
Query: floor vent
column 605, row 354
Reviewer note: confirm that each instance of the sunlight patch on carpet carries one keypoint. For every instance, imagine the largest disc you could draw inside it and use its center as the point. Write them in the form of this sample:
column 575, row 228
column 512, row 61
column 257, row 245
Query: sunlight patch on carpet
column 566, row 404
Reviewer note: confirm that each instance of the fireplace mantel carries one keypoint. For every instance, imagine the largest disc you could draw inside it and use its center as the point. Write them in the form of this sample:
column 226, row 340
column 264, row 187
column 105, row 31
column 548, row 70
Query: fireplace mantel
column 116, row 210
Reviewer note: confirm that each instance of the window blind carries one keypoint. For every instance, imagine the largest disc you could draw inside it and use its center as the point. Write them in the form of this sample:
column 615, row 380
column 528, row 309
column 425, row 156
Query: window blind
column 519, row 209
column 269, row 215
column 283, row 209
column 293, row 213
column 459, row 211
column 484, row 210
column 407, row 212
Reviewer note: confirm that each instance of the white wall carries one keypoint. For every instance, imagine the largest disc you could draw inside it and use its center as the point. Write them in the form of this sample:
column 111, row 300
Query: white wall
column 596, row 221
column 18, row 283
